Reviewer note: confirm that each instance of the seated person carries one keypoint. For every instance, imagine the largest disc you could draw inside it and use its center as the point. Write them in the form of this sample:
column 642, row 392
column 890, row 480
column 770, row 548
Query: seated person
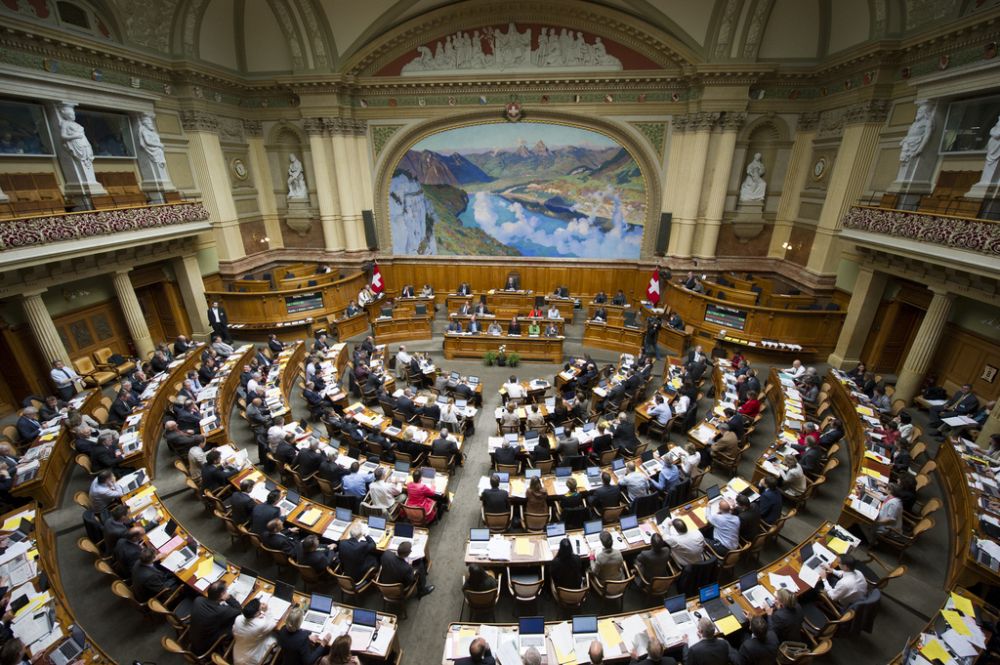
column 606, row 564
column 475, row 327
column 600, row 298
column 551, row 330
column 553, row 312
column 566, row 568
column 514, row 328
column 317, row 557
column 407, row 291
column 494, row 329
column 426, row 291
column 534, row 330
column 511, row 284
column 600, row 314
column 619, row 299
column 454, row 326
column 352, row 309
column 535, row 313
column 675, row 321
column 494, row 499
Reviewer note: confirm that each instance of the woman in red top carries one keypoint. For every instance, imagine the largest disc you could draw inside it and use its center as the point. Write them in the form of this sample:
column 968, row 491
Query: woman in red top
column 535, row 313
column 891, row 435
column 421, row 496
column 751, row 407
column 737, row 359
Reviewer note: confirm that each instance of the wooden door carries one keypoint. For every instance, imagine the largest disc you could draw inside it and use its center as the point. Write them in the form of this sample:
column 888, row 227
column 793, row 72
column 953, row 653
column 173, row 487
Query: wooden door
column 151, row 312
column 892, row 335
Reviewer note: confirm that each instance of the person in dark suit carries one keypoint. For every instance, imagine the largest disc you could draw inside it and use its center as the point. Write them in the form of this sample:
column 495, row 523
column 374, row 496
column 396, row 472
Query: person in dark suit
column 276, row 538
column 274, row 344
column 600, row 298
column 330, row 471
column 737, row 424
column 407, row 291
column 28, row 426
column 607, row 495
column 769, row 503
column 263, row 513
column 105, row 454
column 475, row 327
column 182, row 345
column 445, row 447
column 431, row 410
column 602, row 442
column 831, row 434
column 213, row 474
column 158, row 363
column 212, row 616
column 357, row 553
column 463, row 289
column 759, row 648
column 619, row 298
column 495, row 500
column 676, row 322
column 52, row 408
column 298, row 646
column 241, row 504
column 127, row 551
column 541, row 452
column 572, row 498
column 812, row 458
column 711, row 649
column 624, row 435
column 116, row 527
column 119, row 411
column 654, row 562
column 315, row 556
column 405, row 405
column 749, row 517
column 395, row 568
column 309, row 459
column 149, row 580
column 566, row 568
column 785, row 618
column 514, row 328
column 219, row 322
column 962, row 403
column 505, row 454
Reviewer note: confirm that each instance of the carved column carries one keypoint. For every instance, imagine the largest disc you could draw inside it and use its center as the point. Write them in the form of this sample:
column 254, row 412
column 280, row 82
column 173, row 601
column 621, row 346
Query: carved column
column 847, row 180
column 211, row 173
column 924, row 345
column 42, row 327
column 326, row 187
column 343, row 165
column 795, row 181
column 264, row 181
column 718, row 185
column 366, row 196
column 150, row 157
column 695, row 157
column 675, row 169
column 135, row 320
column 188, row 274
column 865, row 299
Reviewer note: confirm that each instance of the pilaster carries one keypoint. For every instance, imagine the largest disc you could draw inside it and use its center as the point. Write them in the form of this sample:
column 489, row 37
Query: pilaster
column 695, row 158
column 341, row 134
column 924, row 345
column 135, row 320
column 865, row 299
column 261, row 169
column 716, row 204
column 795, row 182
column 192, row 289
column 43, row 328
column 675, row 160
column 326, row 188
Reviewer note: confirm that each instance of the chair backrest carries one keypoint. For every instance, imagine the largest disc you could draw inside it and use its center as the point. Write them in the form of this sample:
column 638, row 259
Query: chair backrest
column 644, row 506
column 575, row 517
column 523, row 590
column 84, row 462
column 482, row 600
column 545, row 466
column 898, row 571
column 84, row 365
column 102, row 354
column 570, row 597
column 932, row 506
column 924, row 524
column 512, row 469
column 308, row 573
column 439, row 462
column 415, row 515
column 392, row 591
column 535, row 522
column 929, row 467
column 696, row 575
column 497, row 522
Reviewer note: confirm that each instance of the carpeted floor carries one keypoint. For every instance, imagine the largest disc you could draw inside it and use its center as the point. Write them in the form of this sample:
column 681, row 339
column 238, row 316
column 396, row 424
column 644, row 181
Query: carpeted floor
column 123, row 633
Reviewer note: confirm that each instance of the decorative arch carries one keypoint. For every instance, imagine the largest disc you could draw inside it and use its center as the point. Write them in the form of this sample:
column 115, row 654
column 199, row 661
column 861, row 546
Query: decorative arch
column 759, row 126
column 411, row 135
column 667, row 51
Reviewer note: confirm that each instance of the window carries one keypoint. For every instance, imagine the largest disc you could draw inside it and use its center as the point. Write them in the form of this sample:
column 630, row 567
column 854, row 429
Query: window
column 23, row 130
column 74, row 15
column 967, row 128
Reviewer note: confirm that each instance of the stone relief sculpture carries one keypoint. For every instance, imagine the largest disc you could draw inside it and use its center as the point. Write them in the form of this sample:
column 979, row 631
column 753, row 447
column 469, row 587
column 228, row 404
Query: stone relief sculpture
column 74, row 140
column 296, row 180
column 499, row 50
column 149, row 141
column 754, row 185
column 919, row 133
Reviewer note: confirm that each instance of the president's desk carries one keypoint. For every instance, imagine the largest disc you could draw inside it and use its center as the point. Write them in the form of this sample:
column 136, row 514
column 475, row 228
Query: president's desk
column 549, row 349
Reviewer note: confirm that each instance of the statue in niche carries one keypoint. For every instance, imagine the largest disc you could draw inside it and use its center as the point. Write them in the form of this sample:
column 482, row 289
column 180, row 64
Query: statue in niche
column 296, row 180
column 74, row 140
column 992, row 156
column 754, row 185
column 149, row 141
column 917, row 136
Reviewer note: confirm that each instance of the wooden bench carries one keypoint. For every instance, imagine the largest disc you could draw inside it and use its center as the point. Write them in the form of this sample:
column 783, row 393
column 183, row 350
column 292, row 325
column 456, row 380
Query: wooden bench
column 948, row 196
column 122, row 190
column 31, row 194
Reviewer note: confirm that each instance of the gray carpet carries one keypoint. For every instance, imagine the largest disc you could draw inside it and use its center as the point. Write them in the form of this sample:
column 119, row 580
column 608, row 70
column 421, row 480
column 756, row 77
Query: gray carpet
column 126, row 636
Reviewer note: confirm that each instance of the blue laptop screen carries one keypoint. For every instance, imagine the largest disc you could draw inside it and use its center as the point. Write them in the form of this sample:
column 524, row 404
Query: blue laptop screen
column 557, row 529
column 707, row 593
column 376, row 522
column 585, row 624
column 629, row 522
column 364, row 617
column 675, row 603
column 320, row 603
column 748, row 581
column 531, row 625
column 563, row 471
column 344, row 514
column 479, row 534
column 592, row 527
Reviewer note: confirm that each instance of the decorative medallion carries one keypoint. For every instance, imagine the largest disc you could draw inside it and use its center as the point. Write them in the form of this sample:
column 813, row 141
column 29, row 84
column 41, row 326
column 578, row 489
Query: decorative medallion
column 513, row 111
column 819, row 169
column 239, row 169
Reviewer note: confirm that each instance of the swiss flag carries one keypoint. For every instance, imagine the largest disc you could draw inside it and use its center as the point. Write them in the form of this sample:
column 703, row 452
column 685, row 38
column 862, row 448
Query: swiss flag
column 653, row 290
column 377, row 285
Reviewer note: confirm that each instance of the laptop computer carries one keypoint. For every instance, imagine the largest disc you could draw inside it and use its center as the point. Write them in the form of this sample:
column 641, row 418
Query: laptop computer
column 284, row 591
column 558, row 431
column 618, row 468
column 555, row 533
column 649, row 464
column 593, row 472
column 584, row 632
column 564, row 472
column 510, row 437
column 376, row 525
column 479, row 541
column 710, row 599
column 677, row 607
column 531, row 633
column 532, row 473
column 318, row 612
column 363, row 628
column 473, row 380
column 401, row 532
column 550, row 403
column 630, row 529
column 70, row 649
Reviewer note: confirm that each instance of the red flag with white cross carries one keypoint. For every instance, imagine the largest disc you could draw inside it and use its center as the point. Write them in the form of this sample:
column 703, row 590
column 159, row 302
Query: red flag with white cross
column 653, row 290
column 377, row 285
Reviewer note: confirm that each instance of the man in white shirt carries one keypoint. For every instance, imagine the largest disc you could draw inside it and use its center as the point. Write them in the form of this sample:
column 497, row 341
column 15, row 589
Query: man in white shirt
column 196, row 460
column 725, row 527
column 793, row 480
column 796, row 370
column 635, row 482
column 686, row 545
column 682, row 404
column 851, row 587
column 509, row 417
column 660, row 410
column 890, row 515
column 256, row 381
column 554, row 312
column 252, row 634
column 402, row 360
column 104, row 491
column 220, row 347
column 494, row 329
column 514, row 389
column 65, row 378
column 381, row 495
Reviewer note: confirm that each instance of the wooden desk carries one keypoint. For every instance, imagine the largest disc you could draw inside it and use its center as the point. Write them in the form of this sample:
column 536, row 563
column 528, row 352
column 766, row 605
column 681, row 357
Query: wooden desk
column 47, row 485
column 566, row 305
column 220, row 394
column 612, row 626
column 406, row 308
column 43, row 539
column 960, row 602
column 733, row 294
column 615, row 313
column 286, row 331
column 390, row 331
column 191, row 575
column 958, row 462
column 504, row 322
column 786, row 407
column 613, row 338
column 548, row 349
column 350, row 326
column 762, row 350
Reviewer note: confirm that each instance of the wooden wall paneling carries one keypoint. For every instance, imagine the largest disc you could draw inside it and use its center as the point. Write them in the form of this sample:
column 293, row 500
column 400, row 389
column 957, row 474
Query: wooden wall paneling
column 961, row 358
column 151, row 312
column 270, row 307
column 177, row 321
column 26, row 371
column 85, row 330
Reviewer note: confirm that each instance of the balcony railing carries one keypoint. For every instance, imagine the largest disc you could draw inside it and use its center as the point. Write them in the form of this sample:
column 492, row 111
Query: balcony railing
column 964, row 233
column 28, row 231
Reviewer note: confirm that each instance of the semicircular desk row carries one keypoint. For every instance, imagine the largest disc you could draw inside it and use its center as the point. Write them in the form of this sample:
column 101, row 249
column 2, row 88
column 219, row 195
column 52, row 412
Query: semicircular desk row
column 957, row 631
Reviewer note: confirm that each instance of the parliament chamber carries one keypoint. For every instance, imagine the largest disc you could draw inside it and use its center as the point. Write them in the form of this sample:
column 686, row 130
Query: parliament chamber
column 473, row 332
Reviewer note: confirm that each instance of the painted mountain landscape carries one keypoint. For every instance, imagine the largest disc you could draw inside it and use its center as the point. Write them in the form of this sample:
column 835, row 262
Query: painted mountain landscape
column 518, row 189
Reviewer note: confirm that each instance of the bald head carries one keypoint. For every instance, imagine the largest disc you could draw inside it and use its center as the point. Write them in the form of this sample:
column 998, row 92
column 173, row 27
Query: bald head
column 596, row 652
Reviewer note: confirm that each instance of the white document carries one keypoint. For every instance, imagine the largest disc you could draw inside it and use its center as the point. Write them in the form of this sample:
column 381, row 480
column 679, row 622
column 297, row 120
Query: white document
column 959, row 644
column 783, row 582
column 561, row 636
column 499, row 549
column 492, row 636
column 634, row 633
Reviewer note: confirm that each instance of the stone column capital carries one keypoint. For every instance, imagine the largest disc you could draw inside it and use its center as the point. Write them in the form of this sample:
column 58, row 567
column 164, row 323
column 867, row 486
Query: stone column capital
column 940, row 291
column 199, row 121
column 871, row 111
column 35, row 292
column 703, row 121
column 253, row 127
column 314, row 126
column 680, row 122
column 808, row 121
column 733, row 121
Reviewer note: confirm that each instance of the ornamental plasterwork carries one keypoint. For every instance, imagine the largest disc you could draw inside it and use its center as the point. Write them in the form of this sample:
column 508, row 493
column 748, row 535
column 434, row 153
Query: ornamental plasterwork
column 281, row 12
column 146, row 28
column 724, row 37
column 320, row 59
column 654, row 132
column 756, row 30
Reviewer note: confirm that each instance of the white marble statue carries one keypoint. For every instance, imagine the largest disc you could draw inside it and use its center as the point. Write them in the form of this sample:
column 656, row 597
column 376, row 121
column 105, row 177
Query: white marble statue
column 296, row 180
column 149, row 141
column 919, row 133
column 992, row 164
column 512, row 50
column 754, row 185
column 74, row 140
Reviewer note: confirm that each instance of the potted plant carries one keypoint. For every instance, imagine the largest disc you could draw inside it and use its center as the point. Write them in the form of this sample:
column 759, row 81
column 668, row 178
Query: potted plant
column 513, row 359
column 502, row 356
column 490, row 358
